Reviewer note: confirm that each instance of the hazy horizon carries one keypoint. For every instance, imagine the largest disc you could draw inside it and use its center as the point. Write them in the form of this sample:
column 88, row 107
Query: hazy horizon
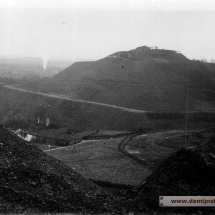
column 64, row 30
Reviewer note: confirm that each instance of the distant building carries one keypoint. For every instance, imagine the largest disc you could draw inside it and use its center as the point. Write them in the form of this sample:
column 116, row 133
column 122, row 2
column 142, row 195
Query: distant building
column 52, row 137
column 57, row 137
column 46, row 136
column 82, row 136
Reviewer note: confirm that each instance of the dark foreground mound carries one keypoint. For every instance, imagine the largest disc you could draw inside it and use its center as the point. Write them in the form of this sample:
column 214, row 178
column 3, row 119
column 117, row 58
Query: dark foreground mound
column 32, row 181
column 187, row 172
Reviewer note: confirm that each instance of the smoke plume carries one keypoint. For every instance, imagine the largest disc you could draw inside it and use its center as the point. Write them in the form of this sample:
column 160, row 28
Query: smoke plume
column 45, row 62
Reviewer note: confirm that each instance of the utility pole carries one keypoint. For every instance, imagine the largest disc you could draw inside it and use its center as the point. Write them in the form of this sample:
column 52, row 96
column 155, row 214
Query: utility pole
column 187, row 105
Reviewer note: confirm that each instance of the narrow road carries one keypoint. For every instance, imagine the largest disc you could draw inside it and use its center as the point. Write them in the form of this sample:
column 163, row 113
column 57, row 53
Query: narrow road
column 64, row 97
column 65, row 147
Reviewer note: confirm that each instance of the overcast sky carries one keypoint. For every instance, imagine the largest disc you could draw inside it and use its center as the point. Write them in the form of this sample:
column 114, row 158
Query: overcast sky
column 93, row 29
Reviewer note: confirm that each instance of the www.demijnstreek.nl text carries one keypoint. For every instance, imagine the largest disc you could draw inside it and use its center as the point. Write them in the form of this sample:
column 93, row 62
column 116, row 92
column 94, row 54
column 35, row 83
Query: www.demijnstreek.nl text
column 185, row 201
column 195, row 201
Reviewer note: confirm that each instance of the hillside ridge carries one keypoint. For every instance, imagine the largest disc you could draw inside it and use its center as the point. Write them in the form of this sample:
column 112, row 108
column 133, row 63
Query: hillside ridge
column 143, row 78
column 143, row 53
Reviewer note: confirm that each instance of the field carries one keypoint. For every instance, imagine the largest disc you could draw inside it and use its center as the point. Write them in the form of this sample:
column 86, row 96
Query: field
column 101, row 160
column 153, row 148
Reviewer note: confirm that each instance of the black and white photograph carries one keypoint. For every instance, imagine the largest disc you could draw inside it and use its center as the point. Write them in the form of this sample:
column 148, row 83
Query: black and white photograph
column 107, row 107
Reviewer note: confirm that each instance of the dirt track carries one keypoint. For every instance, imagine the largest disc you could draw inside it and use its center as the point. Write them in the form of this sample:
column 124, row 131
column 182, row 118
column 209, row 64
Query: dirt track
column 64, row 97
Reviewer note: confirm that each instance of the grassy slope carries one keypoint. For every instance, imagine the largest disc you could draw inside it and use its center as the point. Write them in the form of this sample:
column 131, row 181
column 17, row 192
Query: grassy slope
column 16, row 104
column 20, row 105
column 155, row 147
column 101, row 160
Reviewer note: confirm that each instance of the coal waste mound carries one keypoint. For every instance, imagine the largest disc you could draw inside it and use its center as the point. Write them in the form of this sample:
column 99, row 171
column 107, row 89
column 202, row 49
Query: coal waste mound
column 187, row 172
column 32, row 181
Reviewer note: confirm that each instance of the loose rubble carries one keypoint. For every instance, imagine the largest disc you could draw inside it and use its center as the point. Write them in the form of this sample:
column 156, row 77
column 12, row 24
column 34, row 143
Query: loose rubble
column 32, row 180
column 187, row 172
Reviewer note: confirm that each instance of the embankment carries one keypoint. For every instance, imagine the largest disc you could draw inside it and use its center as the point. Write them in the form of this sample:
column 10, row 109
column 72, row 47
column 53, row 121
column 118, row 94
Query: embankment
column 28, row 106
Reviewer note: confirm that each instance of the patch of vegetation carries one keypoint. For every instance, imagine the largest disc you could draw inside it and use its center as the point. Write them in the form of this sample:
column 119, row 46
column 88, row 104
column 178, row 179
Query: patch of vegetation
column 53, row 125
column 148, row 129
column 157, row 115
column 163, row 126
column 138, row 129
column 206, row 117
